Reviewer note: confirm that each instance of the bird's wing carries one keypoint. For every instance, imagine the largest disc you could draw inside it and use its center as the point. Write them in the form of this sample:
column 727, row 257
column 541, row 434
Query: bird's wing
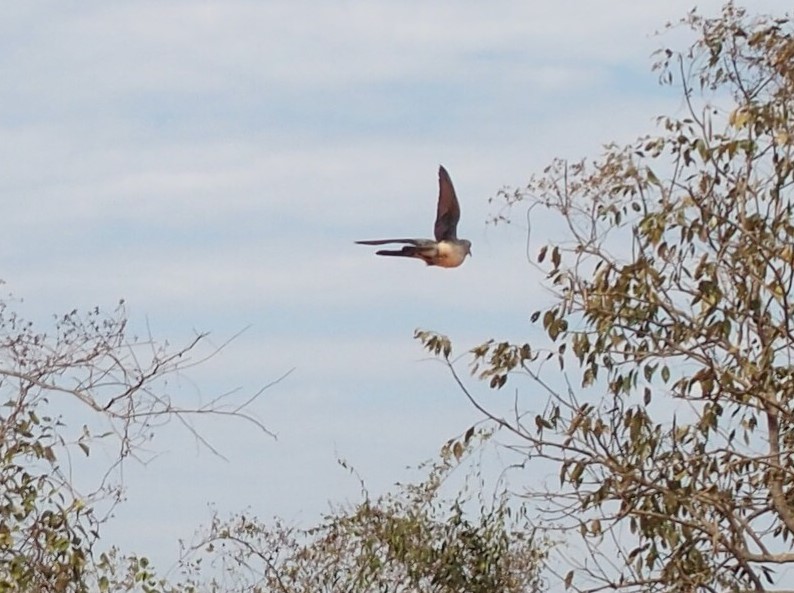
column 448, row 212
column 385, row 241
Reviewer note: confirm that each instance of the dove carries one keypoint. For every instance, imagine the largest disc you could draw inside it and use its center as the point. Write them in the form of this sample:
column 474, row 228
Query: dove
column 447, row 251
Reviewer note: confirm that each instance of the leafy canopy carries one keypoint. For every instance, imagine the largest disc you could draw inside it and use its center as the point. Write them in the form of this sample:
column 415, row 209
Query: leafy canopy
column 667, row 357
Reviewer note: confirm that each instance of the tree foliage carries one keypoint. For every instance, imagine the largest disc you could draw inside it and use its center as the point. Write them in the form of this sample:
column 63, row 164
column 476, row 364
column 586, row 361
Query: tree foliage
column 668, row 344
column 413, row 540
column 86, row 369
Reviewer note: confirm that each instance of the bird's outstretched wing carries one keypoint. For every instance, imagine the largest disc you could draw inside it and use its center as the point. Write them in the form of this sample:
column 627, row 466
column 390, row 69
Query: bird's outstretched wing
column 385, row 241
column 448, row 213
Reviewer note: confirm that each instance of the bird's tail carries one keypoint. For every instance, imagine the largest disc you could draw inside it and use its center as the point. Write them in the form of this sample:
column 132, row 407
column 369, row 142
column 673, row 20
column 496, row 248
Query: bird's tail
column 407, row 251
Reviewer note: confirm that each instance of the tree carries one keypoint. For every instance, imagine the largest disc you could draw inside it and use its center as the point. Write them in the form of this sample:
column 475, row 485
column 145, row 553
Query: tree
column 87, row 372
column 669, row 341
column 413, row 540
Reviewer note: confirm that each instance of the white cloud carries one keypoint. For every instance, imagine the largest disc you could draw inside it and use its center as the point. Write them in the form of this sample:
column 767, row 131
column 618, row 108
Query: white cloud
column 121, row 52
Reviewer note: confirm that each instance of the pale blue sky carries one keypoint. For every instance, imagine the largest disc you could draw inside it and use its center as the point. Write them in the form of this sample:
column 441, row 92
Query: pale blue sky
column 213, row 162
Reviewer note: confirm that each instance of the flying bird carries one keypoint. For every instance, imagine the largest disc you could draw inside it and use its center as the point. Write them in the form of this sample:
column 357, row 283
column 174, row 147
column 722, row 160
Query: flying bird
column 447, row 250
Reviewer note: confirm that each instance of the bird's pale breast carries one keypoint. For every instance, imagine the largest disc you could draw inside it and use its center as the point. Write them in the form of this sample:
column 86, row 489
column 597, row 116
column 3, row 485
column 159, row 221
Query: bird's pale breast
column 449, row 255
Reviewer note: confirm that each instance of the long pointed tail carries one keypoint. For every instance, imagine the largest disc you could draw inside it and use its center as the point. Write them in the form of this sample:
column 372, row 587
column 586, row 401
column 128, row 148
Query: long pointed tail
column 407, row 251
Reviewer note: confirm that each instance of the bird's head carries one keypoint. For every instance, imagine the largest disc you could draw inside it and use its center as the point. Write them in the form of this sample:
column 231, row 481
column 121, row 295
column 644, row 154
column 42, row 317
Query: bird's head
column 467, row 245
